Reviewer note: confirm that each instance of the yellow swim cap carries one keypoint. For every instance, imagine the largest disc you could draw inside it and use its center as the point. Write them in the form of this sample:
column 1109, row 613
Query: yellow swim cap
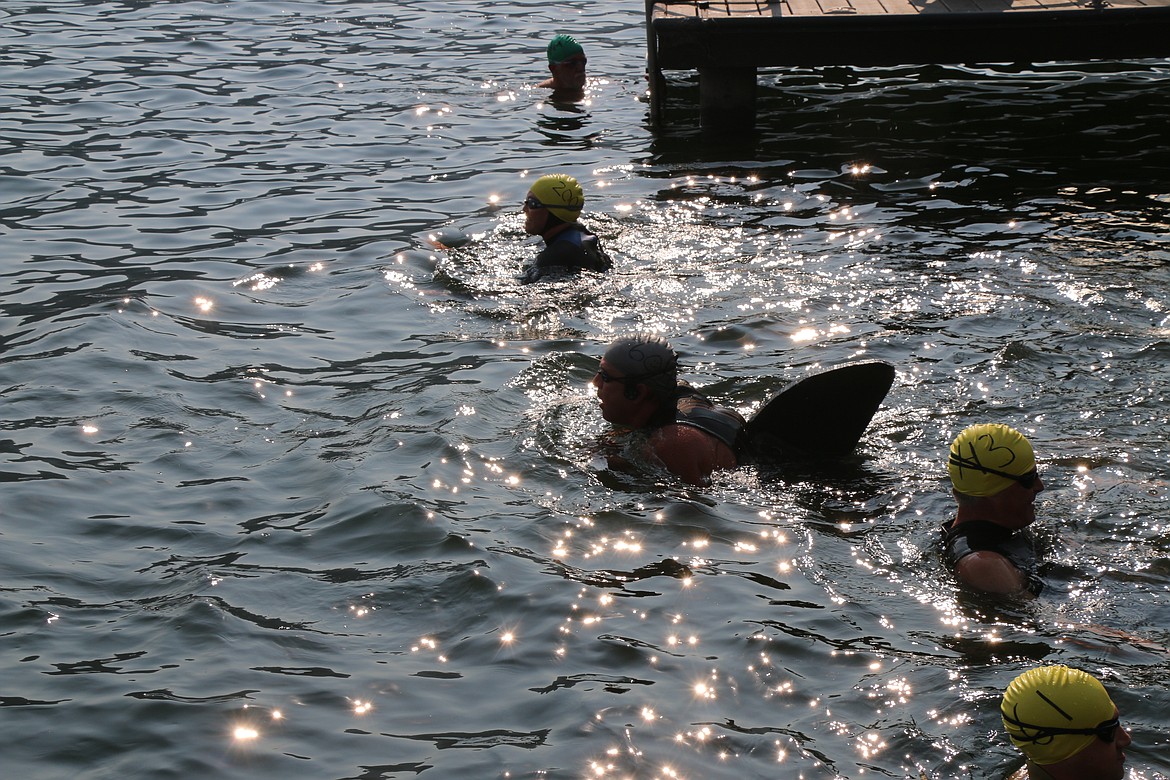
column 1053, row 712
column 984, row 458
column 561, row 195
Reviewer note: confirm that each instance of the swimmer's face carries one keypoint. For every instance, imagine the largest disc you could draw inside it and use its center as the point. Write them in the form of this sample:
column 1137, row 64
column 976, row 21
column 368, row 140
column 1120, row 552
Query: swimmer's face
column 535, row 216
column 1103, row 760
column 611, row 394
column 569, row 74
column 1015, row 505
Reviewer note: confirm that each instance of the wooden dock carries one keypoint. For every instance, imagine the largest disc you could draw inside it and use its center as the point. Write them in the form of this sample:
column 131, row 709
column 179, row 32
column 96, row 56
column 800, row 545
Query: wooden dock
column 727, row 41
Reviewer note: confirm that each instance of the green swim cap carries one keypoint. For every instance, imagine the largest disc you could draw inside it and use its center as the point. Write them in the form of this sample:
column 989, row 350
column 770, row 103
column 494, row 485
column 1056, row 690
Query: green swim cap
column 647, row 359
column 1042, row 705
column 982, row 450
column 560, row 194
column 561, row 47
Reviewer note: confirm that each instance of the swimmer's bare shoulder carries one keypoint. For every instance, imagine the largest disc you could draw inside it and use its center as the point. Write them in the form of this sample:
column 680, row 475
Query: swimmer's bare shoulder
column 991, row 572
column 690, row 453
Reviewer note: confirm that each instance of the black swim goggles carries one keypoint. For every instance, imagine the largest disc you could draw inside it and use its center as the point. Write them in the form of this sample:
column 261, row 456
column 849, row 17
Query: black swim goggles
column 629, row 381
column 1105, row 731
column 1026, row 480
column 532, row 203
column 606, row 378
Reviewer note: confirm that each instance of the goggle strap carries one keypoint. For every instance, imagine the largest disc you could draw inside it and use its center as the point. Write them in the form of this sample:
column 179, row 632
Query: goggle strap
column 1048, row 732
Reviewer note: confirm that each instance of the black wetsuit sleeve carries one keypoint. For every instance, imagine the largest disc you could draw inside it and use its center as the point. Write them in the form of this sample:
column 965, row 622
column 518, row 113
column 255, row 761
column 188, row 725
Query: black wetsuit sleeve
column 568, row 256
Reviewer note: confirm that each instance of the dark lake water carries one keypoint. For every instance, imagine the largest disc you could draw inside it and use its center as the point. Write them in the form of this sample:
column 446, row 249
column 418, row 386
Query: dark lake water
column 290, row 492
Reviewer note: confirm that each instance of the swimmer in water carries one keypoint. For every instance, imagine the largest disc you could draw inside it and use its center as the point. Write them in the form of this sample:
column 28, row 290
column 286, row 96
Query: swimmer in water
column 551, row 209
column 566, row 63
column 638, row 389
column 1065, row 724
column 993, row 473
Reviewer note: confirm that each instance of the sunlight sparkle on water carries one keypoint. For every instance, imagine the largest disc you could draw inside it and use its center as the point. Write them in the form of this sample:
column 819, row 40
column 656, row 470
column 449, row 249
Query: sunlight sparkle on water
column 954, row 721
column 804, row 335
column 704, row 691
column 599, row 769
column 245, row 733
column 426, row 643
column 871, row 744
column 900, row 688
column 204, row 304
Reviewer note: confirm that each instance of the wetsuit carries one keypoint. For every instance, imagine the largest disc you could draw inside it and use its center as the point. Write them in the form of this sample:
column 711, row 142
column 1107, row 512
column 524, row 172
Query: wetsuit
column 694, row 409
column 979, row 535
column 573, row 249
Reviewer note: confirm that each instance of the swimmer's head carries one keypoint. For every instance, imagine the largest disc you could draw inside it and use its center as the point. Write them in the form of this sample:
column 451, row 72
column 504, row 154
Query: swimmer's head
column 985, row 459
column 562, row 47
column 1054, row 712
column 644, row 358
column 560, row 194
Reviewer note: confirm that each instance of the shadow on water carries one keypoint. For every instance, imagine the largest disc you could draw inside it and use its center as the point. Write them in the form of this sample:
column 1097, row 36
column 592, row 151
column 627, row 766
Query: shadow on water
column 1089, row 121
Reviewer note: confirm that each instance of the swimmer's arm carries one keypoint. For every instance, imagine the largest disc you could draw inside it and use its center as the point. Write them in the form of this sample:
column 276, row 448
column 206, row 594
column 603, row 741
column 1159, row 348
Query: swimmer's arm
column 549, row 257
column 558, row 254
column 990, row 572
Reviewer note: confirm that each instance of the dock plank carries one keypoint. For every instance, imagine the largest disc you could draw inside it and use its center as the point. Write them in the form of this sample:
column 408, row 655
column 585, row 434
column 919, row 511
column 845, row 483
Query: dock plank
column 837, row 8
column 728, row 9
column 764, row 9
column 801, row 8
column 901, row 7
column 960, row 6
column 718, row 9
column 867, row 6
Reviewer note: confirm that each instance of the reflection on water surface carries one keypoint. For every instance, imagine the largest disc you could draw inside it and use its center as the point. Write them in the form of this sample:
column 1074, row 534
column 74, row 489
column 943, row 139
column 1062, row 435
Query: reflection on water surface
column 301, row 481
